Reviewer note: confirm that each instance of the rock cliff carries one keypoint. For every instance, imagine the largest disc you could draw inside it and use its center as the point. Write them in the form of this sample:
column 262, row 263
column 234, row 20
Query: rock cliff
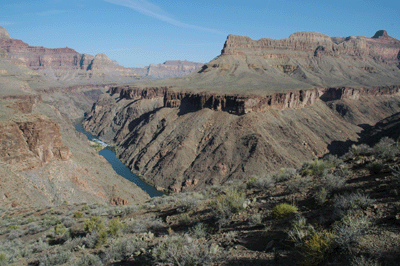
column 258, row 106
column 169, row 69
column 43, row 160
column 302, row 61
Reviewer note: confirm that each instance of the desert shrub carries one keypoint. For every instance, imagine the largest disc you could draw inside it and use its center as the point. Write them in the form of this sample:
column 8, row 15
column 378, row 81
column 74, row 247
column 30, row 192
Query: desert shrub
column 395, row 171
column 386, row 148
column 333, row 182
column 13, row 227
column 90, row 260
column 68, row 222
column 90, row 240
column 39, row 245
column 57, row 258
column 49, row 221
column 316, row 168
column 3, row 259
column 249, row 183
column 60, row 230
column 34, row 228
column 320, row 196
column 142, row 225
column 283, row 210
column 85, row 208
column 183, row 250
column 188, row 203
column 123, row 249
column 255, row 219
column 101, row 238
column 97, row 146
column 357, row 151
column 101, row 211
column 17, row 233
column 126, row 210
column 263, row 183
column 299, row 230
column 317, row 247
column 285, row 174
column 349, row 231
column 296, row 184
column 227, row 204
column 114, row 226
column 77, row 215
column 95, row 223
column 346, row 203
column 375, row 167
column 363, row 261
column 333, row 159
column 200, row 230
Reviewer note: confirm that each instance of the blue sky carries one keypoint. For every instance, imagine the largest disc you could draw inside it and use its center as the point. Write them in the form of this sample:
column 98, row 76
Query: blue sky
column 140, row 32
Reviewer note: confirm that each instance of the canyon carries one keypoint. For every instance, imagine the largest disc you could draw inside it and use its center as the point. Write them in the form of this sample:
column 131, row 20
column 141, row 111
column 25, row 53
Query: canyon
column 258, row 106
column 44, row 161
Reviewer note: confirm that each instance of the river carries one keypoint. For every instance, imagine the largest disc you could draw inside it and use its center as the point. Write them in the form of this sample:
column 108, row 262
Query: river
column 119, row 167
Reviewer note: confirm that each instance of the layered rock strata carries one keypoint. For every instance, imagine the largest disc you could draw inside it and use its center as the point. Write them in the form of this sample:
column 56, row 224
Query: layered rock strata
column 169, row 69
column 239, row 105
column 194, row 142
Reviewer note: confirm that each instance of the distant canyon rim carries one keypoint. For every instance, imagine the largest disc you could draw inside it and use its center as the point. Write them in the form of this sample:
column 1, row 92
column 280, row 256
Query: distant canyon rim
column 258, row 106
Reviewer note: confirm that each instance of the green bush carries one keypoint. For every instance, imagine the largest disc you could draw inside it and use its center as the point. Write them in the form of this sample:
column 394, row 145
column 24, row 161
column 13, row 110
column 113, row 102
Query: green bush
column 101, row 238
column 77, row 215
column 97, row 146
column 386, row 148
column 320, row 196
column 3, row 259
column 316, row 168
column 283, row 210
column 85, row 208
column 227, row 204
column 285, row 174
column 114, row 226
column 60, row 229
column 95, row 223
column 13, row 227
column 317, row 247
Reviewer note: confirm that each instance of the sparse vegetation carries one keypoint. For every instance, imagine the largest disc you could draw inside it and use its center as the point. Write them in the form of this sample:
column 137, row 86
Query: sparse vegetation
column 334, row 223
column 283, row 210
column 317, row 168
column 317, row 247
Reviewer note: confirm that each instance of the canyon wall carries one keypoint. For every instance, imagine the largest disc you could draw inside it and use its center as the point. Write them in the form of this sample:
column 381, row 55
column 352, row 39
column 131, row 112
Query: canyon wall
column 169, row 69
column 186, row 140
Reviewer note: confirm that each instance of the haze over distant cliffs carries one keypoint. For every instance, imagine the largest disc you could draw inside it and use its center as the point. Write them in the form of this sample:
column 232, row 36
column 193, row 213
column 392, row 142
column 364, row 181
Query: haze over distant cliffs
column 169, row 69
column 68, row 66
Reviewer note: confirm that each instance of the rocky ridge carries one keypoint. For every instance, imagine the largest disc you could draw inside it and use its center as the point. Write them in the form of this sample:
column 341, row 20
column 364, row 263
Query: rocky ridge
column 258, row 106
column 169, row 69
column 303, row 61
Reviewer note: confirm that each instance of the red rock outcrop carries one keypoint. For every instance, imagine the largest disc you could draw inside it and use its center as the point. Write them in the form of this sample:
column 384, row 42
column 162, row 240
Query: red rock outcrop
column 31, row 142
